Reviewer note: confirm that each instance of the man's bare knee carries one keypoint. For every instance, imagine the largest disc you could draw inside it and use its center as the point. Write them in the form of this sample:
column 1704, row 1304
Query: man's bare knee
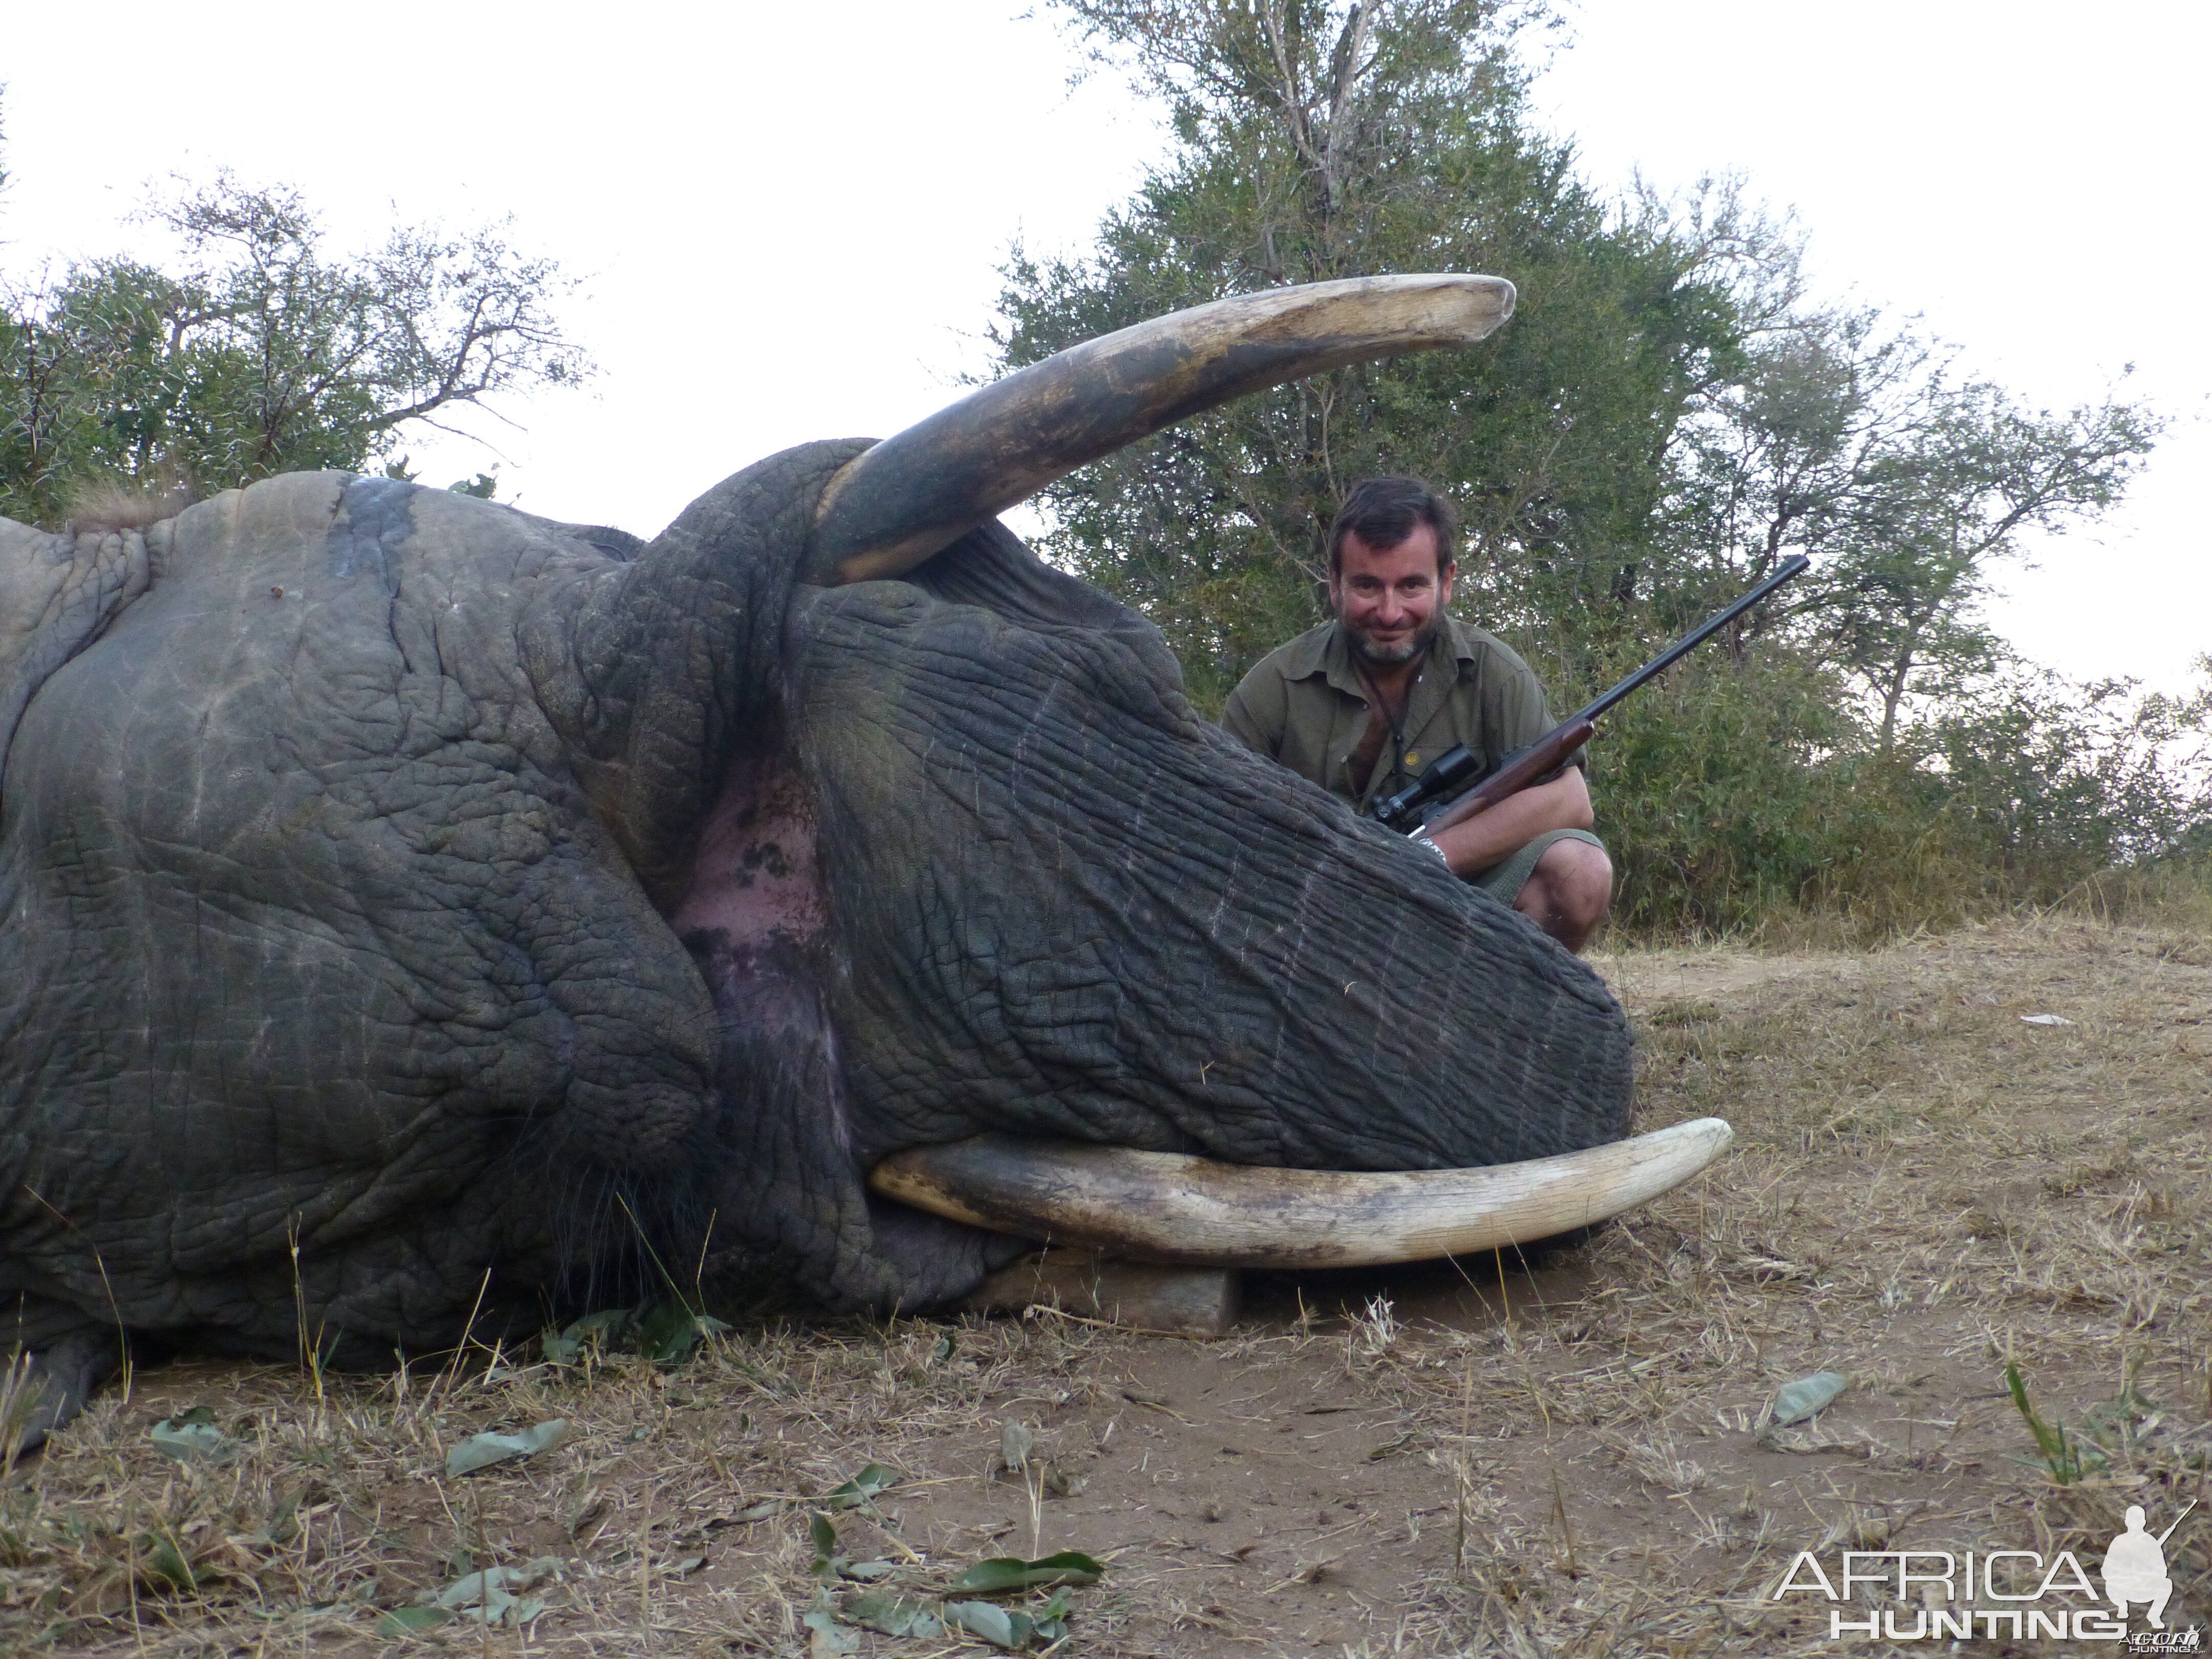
column 1581, row 876
column 1569, row 892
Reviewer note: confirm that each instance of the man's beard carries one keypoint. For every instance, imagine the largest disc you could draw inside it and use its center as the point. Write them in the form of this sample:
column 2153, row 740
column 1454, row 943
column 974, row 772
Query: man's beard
column 1390, row 656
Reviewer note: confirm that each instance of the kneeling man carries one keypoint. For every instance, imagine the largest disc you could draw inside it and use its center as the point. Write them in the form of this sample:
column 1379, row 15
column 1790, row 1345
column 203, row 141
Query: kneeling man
column 1359, row 704
column 2135, row 1570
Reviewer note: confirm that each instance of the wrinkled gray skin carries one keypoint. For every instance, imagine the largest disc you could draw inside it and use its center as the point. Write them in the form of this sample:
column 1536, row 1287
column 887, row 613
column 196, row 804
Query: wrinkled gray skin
column 468, row 899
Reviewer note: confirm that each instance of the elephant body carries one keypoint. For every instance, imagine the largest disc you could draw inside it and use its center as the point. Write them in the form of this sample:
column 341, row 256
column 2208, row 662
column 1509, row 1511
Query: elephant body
column 414, row 913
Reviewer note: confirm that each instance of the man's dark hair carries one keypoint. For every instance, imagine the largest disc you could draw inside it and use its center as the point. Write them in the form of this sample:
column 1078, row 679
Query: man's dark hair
column 1382, row 512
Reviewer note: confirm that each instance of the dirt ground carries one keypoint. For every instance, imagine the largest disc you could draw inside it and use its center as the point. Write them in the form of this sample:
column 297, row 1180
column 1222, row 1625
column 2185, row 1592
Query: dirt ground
column 1474, row 1457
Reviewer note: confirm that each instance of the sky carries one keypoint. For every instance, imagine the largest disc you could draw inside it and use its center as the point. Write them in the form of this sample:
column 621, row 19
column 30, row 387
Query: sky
column 788, row 221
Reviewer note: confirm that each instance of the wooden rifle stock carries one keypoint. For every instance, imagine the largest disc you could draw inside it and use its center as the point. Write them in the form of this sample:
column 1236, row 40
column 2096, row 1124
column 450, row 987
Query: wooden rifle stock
column 1546, row 755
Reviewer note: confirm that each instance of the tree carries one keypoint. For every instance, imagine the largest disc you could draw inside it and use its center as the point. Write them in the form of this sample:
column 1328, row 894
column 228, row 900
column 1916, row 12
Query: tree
column 1315, row 140
column 1663, row 420
column 262, row 353
column 1667, row 415
column 1855, row 441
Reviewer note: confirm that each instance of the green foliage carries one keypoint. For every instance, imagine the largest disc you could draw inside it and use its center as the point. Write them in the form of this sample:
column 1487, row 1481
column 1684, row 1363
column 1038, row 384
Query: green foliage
column 1002, row 1573
column 2060, row 1456
column 260, row 352
column 2050, row 768
column 1734, row 793
column 1664, row 419
column 894, row 1613
column 2113, row 1431
column 1313, row 145
column 482, row 1451
column 1722, row 795
column 1855, row 440
column 861, row 1491
column 666, row 1332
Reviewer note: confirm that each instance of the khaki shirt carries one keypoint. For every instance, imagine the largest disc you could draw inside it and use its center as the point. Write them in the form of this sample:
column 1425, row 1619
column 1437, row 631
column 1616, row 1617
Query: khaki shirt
column 1304, row 706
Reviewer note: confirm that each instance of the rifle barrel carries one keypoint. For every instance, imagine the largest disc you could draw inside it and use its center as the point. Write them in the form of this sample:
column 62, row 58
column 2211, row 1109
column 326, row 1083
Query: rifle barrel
column 2178, row 1519
column 1691, row 640
column 1520, row 769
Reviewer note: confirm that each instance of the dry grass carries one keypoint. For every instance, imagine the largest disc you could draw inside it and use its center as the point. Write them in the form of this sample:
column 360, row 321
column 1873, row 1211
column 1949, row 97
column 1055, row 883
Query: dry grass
column 1458, row 1459
column 108, row 505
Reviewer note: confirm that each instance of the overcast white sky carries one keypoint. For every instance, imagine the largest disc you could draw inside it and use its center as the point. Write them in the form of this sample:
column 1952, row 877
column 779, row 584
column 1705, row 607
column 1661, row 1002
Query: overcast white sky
column 789, row 218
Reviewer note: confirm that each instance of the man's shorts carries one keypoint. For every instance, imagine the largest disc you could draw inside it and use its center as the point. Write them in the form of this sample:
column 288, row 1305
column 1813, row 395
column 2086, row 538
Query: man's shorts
column 1504, row 879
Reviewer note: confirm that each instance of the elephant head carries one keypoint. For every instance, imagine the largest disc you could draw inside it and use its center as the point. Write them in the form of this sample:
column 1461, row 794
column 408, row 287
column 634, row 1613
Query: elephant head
column 412, row 911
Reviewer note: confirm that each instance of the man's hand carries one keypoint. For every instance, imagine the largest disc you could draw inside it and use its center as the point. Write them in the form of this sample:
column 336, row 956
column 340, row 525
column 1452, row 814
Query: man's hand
column 1478, row 842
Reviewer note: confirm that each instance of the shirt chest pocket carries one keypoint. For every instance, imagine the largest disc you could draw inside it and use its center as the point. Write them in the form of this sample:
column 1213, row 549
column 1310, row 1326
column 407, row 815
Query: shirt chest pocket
column 1439, row 734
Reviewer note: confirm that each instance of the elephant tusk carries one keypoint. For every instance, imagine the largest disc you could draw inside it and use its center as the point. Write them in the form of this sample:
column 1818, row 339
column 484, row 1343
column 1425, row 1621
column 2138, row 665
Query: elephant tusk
column 894, row 505
column 1168, row 1208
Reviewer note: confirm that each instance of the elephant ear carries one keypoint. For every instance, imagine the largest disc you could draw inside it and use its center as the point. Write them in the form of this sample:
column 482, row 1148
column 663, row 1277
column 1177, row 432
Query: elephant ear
column 58, row 594
column 992, row 568
column 617, row 544
column 1121, row 655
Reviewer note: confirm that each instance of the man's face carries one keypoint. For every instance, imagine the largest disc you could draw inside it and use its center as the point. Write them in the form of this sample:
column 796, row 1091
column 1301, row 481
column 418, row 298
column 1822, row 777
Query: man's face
column 1390, row 599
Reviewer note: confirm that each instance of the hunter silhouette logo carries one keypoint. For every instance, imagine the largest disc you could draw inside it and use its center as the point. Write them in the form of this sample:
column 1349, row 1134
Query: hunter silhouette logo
column 2135, row 1567
column 1924, row 1594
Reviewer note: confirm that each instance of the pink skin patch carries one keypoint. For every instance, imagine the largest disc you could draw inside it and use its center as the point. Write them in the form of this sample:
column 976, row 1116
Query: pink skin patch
column 756, row 876
column 751, row 918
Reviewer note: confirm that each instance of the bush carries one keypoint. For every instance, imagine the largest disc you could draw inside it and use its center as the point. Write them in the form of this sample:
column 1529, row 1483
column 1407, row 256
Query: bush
column 1718, row 791
column 1737, row 798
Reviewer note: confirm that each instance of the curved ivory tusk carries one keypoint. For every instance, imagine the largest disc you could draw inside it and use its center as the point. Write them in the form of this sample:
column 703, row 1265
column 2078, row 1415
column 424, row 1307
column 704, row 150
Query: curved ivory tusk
column 896, row 504
column 1164, row 1207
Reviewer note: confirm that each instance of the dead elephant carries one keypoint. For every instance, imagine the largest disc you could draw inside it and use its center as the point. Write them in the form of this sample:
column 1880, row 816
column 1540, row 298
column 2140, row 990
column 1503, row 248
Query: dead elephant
column 409, row 907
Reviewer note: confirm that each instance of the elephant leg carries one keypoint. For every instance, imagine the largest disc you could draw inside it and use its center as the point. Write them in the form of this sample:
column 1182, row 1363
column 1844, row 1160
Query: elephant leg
column 41, row 1389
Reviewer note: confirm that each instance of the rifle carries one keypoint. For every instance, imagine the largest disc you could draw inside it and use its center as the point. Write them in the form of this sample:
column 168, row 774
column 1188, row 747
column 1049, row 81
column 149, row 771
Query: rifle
column 2178, row 1519
column 1403, row 810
